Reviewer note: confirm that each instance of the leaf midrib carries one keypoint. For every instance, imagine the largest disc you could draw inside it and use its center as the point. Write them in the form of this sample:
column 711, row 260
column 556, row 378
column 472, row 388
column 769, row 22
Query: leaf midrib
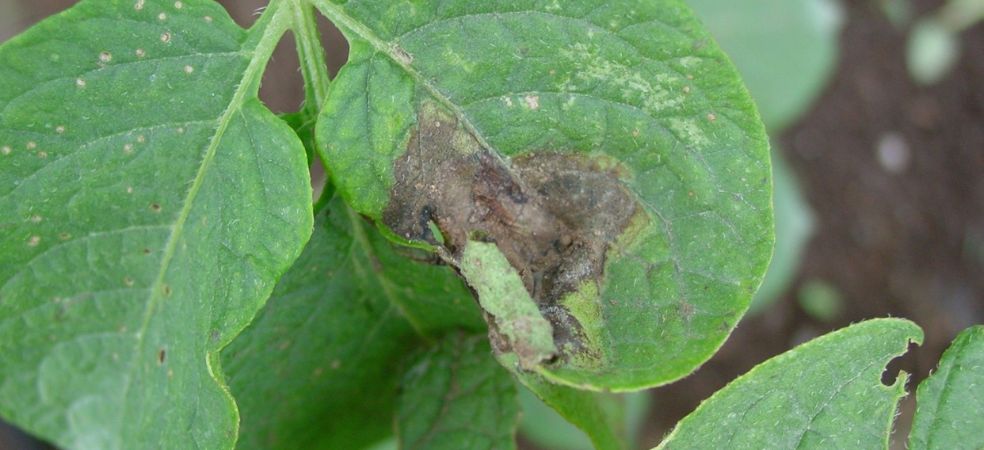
column 271, row 28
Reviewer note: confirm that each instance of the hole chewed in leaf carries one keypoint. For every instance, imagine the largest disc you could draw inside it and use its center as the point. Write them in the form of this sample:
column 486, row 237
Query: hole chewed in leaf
column 552, row 214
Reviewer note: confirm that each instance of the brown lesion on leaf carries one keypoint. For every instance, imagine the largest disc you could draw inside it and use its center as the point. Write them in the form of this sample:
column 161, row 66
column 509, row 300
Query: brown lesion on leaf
column 553, row 215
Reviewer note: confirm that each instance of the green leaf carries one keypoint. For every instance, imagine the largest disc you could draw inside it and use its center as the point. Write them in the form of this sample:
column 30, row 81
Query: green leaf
column 784, row 49
column 826, row 393
column 455, row 396
column 609, row 150
column 949, row 403
column 303, row 126
column 150, row 202
column 546, row 428
column 597, row 414
column 315, row 370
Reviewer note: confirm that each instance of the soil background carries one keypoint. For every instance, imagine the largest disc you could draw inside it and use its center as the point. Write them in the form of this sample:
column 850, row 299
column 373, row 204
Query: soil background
column 907, row 242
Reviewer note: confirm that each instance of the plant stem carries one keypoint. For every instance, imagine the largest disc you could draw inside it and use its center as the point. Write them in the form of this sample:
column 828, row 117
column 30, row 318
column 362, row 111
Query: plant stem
column 314, row 68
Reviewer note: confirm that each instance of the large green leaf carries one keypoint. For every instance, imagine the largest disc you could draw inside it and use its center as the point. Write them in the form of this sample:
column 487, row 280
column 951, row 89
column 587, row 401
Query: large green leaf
column 149, row 203
column 609, row 150
column 826, row 393
column 949, row 404
column 318, row 368
column 455, row 396
column 785, row 49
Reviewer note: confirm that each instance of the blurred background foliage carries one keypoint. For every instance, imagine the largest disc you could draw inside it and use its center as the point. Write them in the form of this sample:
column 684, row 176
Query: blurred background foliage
column 876, row 113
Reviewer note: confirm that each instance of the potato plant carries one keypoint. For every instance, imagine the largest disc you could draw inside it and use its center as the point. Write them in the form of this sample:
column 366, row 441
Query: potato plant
column 574, row 196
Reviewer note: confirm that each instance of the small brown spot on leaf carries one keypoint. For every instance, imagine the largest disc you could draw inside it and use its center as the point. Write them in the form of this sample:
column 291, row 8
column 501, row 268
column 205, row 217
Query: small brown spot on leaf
column 155, row 207
column 105, row 57
column 161, row 356
column 33, row 241
column 401, row 55
column 138, row 5
column 686, row 310
column 165, row 37
column 166, row 290
column 128, row 281
column 64, row 236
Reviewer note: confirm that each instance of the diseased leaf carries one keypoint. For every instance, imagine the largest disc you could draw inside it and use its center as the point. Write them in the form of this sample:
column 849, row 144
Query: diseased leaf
column 514, row 317
column 608, row 150
column 521, row 339
column 455, row 396
column 150, row 202
column 318, row 368
column 949, row 403
column 826, row 393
